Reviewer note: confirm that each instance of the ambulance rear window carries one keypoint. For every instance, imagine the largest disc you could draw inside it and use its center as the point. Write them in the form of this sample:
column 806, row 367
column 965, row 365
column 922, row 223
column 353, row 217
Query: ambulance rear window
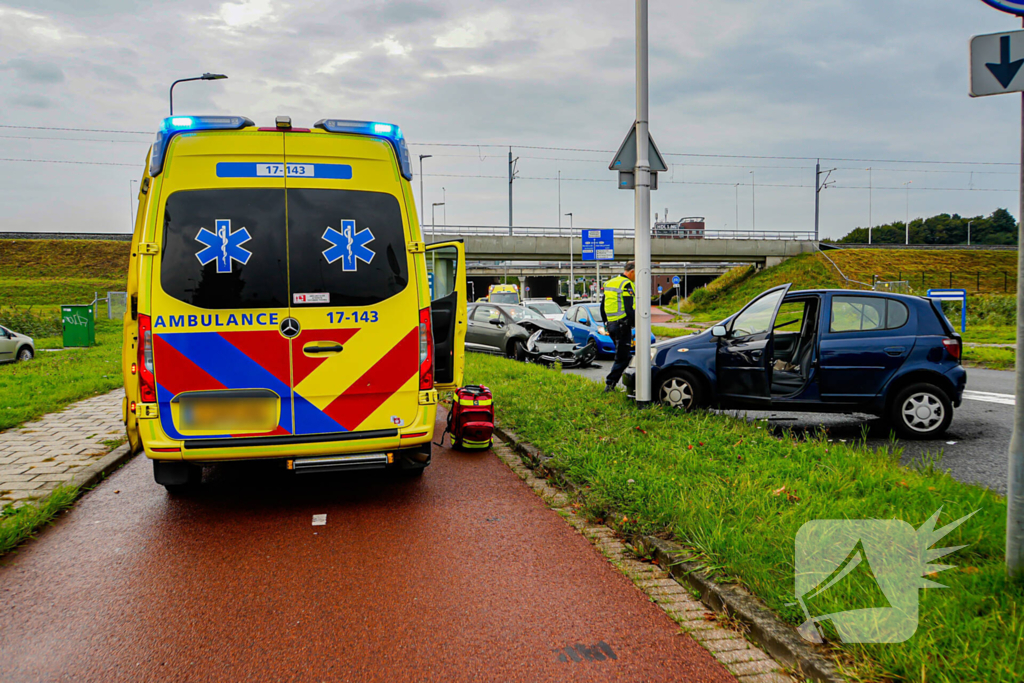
column 225, row 248
column 349, row 244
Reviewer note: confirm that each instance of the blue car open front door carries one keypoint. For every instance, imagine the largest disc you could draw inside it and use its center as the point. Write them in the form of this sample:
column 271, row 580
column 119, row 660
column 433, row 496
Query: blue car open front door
column 744, row 356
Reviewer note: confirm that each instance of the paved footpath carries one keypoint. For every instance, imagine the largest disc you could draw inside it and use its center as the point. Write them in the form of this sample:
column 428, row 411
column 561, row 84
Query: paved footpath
column 39, row 456
column 461, row 575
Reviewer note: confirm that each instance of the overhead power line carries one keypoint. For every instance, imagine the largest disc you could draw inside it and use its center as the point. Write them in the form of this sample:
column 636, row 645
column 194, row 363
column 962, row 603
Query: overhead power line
column 82, row 130
column 40, row 137
column 63, row 161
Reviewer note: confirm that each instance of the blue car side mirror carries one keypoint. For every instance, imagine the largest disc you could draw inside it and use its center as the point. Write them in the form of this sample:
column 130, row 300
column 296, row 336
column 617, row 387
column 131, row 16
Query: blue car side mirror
column 719, row 331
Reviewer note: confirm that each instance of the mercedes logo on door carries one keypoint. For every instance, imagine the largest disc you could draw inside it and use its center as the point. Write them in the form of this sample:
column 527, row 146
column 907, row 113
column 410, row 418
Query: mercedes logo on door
column 290, row 327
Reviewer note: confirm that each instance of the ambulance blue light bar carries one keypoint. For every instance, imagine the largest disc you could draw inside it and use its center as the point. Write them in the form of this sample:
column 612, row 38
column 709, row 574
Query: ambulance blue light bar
column 173, row 125
column 384, row 131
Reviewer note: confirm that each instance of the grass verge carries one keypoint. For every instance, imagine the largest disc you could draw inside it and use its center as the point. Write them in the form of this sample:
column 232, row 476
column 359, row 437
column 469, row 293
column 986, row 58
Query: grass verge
column 670, row 332
column 56, row 379
column 993, row 358
column 17, row 525
column 737, row 495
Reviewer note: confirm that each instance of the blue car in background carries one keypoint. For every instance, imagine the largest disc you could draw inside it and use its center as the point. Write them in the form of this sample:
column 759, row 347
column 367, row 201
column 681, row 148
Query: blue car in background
column 823, row 351
column 584, row 321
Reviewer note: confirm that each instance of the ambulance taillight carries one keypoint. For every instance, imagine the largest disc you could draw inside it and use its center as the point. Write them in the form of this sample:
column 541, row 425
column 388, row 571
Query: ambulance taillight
column 426, row 352
column 147, row 383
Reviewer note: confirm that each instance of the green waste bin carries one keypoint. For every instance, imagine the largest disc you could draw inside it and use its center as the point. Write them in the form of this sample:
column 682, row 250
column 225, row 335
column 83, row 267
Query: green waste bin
column 79, row 324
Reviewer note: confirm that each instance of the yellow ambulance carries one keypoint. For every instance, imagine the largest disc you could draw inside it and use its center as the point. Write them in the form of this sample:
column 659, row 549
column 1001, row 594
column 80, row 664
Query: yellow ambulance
column 282, row 302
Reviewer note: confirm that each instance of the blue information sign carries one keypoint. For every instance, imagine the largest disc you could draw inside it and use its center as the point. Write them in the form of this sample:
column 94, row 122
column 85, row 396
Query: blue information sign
column 675, row 280
column 953, row 295
column 599, row 245
column 1011, row 6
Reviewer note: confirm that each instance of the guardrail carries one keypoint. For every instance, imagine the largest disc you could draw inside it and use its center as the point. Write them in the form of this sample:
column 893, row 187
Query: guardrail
column 620, row 233
column 120, row 237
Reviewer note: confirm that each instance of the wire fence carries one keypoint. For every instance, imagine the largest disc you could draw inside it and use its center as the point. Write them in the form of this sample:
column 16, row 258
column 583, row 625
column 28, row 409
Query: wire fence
column 117, row 304
column 974, row 282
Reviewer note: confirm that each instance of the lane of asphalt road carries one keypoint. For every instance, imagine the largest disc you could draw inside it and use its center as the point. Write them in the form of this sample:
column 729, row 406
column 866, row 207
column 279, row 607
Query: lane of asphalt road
column 974, row 449
column 461, row 575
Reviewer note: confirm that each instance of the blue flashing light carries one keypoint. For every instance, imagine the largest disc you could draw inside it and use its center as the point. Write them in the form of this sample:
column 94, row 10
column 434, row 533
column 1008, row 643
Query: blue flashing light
column 385, row 131
column 174, row 125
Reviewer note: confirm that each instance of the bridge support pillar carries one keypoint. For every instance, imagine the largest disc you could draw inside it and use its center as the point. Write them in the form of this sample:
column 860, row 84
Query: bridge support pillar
column 770, row 261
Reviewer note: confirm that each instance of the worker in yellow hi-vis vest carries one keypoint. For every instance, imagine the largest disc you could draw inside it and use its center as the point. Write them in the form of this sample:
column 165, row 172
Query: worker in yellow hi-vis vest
column 617, row 311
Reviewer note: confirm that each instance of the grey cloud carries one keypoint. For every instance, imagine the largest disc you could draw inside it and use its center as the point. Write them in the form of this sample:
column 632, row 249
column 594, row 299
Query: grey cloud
column 33, row 101
column 35, row 71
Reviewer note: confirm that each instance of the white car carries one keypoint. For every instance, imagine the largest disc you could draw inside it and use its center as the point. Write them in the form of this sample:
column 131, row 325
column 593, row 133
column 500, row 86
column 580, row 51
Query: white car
column 546, row 307
column 14, row 346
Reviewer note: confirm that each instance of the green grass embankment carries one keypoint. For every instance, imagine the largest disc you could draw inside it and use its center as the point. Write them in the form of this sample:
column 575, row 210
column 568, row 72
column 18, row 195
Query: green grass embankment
column 737, row 495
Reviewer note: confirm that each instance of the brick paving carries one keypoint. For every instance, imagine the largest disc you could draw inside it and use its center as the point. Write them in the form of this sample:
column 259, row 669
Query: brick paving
column 40, row 455
column 744, row 660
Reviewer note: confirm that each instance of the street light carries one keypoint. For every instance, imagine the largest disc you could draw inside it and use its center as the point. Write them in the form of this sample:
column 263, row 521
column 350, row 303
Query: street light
column 432, row 207
column 969, row 232
column 572, row 277
column 753, row 202
column 907, row 185
column 204, row 77
column 423, row 207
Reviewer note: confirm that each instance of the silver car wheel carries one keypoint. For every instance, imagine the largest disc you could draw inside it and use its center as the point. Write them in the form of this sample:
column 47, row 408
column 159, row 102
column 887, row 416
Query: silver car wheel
column 922, row 412
column 25, row 354
column 677, row 393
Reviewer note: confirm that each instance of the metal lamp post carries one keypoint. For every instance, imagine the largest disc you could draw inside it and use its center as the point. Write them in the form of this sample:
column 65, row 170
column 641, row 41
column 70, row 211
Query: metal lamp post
column 572, row 277
column 907, row 185
column 204, row 77
column 432, row 207
column 423, row 207
column 969, row 232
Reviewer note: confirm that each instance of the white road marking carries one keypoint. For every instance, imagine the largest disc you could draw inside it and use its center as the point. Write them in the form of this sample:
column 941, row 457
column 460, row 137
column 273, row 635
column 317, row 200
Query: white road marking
column 320, row 520
column 988, row 397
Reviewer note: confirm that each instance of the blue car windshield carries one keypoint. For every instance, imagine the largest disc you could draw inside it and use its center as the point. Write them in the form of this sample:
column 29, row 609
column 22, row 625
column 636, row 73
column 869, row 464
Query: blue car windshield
column 594, row 311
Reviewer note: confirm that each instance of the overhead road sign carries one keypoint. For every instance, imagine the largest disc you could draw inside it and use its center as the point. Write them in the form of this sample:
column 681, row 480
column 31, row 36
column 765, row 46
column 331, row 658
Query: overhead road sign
column 1011, row 6
column 996, row 61
column 625, row 162
column 599, row 245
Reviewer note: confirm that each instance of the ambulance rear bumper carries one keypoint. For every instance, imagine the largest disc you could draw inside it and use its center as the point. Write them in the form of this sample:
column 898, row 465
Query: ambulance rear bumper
column 263, row 441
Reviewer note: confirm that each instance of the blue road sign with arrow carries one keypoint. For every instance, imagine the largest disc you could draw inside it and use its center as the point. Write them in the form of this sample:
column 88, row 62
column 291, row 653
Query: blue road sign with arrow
column 675, row 279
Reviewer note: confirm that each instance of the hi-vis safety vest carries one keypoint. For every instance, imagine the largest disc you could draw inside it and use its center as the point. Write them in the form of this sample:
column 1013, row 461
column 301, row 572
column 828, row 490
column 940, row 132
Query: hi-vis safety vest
column 615, row 291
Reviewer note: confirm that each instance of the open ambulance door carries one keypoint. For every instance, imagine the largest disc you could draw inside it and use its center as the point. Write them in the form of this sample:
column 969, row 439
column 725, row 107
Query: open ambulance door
column 446, row 277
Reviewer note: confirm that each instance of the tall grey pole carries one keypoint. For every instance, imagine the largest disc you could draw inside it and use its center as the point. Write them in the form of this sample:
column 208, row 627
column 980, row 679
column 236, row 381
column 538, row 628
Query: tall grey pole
column 572, row 277
column 642, row 214
column 969, row 230
column 1015, row 478
column 817, row 196
column 871, row 219
column 510, row 191
column 423, row 207
column 753, row 201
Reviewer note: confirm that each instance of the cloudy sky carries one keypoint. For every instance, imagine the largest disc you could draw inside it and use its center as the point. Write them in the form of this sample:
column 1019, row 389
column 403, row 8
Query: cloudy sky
column 735, row 85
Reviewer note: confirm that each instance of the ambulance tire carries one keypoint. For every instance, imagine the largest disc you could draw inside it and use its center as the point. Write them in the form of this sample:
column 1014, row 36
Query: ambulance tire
column 179, row 478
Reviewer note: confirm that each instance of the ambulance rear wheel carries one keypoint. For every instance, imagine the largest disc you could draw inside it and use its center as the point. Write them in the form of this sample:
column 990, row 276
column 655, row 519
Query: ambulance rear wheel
column 179, row 478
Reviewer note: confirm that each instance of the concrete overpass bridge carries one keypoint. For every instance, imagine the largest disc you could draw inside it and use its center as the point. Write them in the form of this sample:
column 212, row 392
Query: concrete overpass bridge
column 554, row 244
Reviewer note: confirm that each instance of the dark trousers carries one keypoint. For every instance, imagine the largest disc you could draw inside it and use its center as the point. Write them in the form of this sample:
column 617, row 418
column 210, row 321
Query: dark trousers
column 621, row 333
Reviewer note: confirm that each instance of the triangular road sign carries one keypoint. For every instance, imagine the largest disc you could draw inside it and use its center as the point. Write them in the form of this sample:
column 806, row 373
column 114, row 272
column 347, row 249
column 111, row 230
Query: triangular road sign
column 625, row 158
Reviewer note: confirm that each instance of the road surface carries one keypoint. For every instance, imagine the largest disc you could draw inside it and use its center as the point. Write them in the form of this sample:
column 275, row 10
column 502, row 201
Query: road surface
column 463, row 574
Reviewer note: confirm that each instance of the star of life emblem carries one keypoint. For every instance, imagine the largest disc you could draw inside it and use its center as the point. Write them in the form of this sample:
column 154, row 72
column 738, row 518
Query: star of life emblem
column 224, row 246
column 348, row 245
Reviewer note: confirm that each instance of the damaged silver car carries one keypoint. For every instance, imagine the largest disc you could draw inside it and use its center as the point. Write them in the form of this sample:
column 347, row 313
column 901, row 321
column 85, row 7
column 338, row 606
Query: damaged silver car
column 525, row 335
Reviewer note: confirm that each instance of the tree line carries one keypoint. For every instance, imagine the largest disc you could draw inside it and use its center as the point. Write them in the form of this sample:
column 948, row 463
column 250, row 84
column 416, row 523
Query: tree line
column 998, row 228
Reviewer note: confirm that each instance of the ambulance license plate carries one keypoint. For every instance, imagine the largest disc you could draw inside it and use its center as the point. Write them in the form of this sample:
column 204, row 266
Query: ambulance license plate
column 253, row 415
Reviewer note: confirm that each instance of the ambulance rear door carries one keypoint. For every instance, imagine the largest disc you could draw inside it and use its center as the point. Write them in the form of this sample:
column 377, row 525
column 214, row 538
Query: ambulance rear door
column 446, row 277
column 220, row 288
column 356, row 351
